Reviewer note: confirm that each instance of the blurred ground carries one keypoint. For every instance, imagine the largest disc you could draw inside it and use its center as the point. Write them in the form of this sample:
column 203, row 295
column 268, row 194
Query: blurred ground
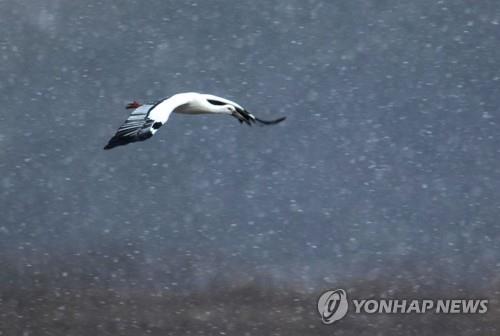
column 259, row 307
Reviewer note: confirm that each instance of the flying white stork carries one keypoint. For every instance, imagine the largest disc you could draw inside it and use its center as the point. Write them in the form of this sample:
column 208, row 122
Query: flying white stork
column 145, row 120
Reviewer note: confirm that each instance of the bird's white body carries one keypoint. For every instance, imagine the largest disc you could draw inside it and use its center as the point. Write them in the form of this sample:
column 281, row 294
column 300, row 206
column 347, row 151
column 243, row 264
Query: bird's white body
column 145, row 120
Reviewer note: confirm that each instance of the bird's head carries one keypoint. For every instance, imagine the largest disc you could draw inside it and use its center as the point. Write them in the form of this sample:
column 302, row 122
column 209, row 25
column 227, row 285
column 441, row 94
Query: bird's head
column 230, row 108
column 221, row 105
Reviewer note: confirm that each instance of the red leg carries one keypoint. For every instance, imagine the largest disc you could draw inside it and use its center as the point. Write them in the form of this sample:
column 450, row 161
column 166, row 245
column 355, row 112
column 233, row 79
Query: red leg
column 133, row 105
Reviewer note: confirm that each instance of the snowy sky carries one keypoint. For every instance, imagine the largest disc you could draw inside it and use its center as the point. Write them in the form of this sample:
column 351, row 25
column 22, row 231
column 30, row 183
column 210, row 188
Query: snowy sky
column 388, row 162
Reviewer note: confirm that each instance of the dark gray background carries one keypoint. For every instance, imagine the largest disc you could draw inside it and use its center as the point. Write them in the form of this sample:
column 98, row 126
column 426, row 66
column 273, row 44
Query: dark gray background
column 384, row 179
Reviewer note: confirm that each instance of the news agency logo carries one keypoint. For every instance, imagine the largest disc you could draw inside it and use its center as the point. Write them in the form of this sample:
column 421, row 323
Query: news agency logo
column 333, row 306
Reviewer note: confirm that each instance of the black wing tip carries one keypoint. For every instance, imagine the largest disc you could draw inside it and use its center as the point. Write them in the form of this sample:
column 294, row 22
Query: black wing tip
column 112, row 144
column 246, row 117
column 117, row 141
column 271, row 122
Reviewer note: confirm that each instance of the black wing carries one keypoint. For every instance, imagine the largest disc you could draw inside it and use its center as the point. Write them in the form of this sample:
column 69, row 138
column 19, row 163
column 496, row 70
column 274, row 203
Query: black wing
column 138, row 127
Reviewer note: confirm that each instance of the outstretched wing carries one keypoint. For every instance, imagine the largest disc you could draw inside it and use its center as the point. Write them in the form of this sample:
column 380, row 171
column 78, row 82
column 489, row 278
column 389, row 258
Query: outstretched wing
column 137, row 127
